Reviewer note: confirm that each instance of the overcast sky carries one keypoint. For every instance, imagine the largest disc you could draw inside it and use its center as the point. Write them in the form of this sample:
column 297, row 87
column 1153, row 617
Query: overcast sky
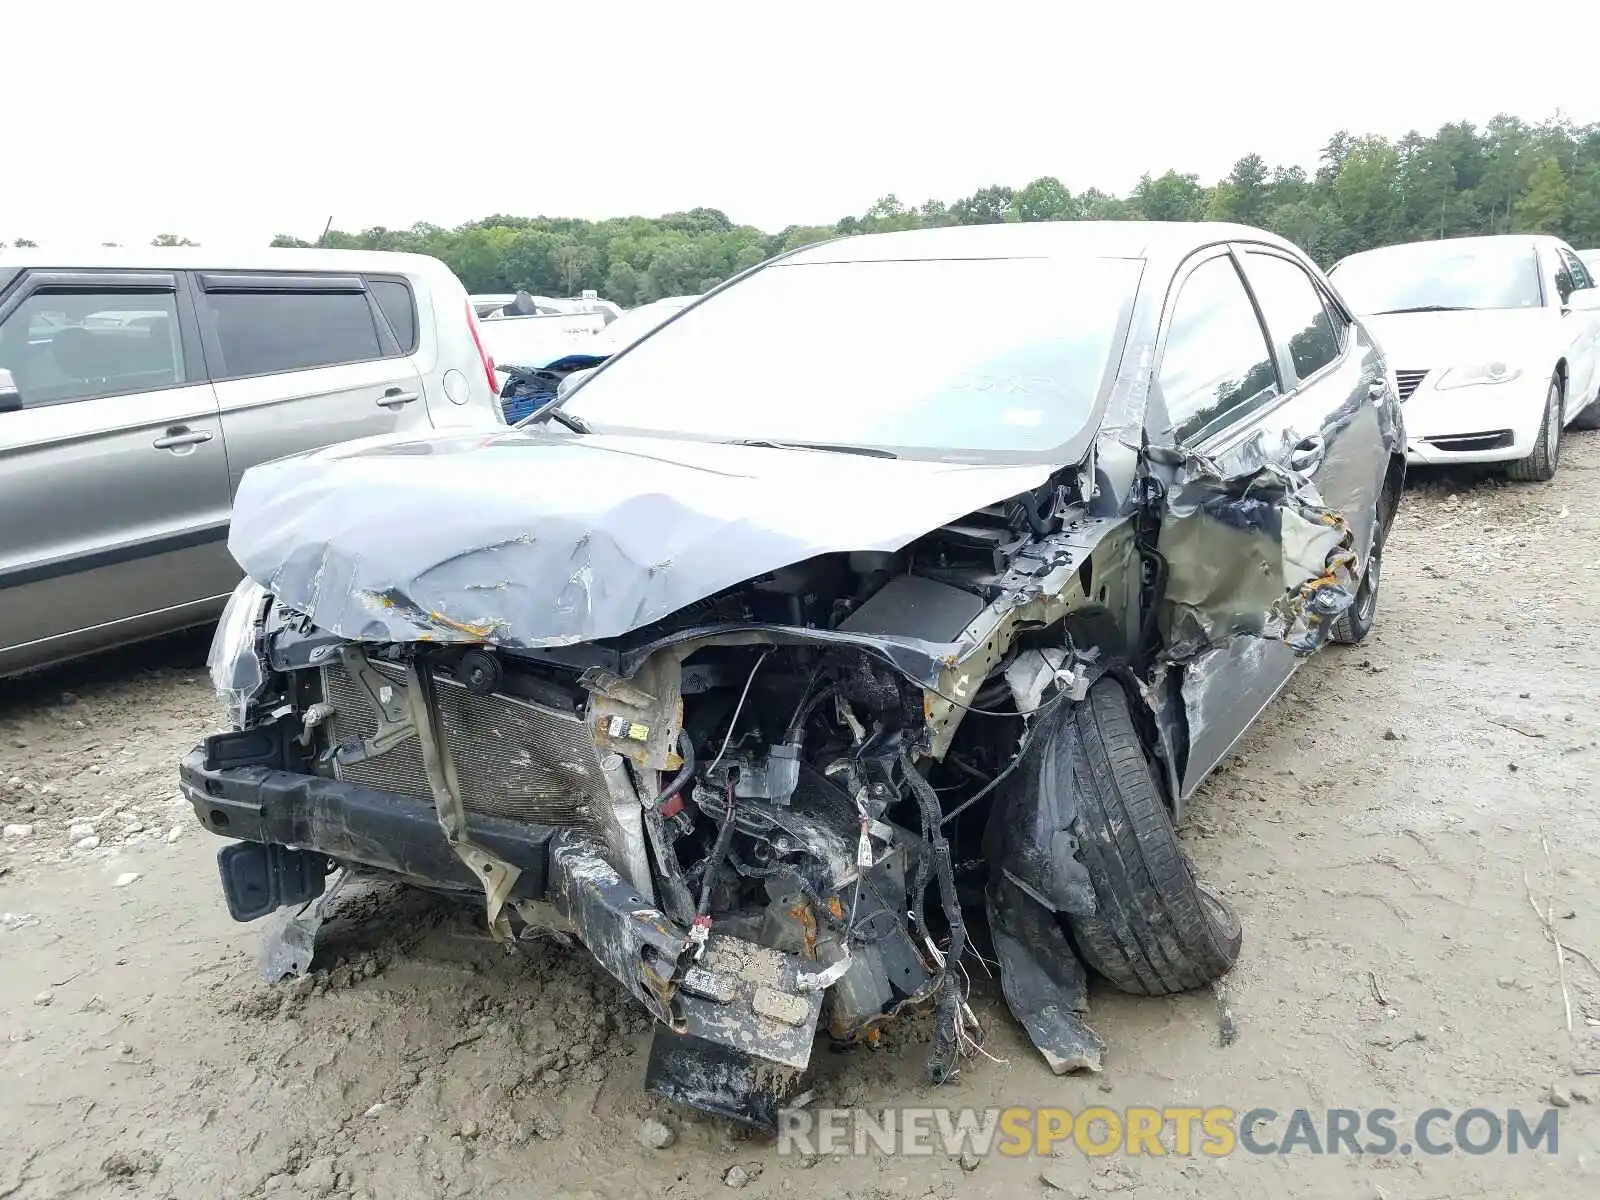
column 228, row 123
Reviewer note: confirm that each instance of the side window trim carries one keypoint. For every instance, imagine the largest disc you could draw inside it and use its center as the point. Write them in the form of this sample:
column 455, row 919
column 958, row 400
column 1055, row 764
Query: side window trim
column 1238, row 417
column 131, row 280
column 1550, row 271
column 224, row 282
column 1576, row 270
column 1281, row 355
column 411, row 298
column 210, row 350
column 194, row 359
column 246, row 281
column 36, row 281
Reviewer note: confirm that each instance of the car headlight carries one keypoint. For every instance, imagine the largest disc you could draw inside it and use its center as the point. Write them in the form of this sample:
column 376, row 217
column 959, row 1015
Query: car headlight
column 237, row 671
column 1482, row 373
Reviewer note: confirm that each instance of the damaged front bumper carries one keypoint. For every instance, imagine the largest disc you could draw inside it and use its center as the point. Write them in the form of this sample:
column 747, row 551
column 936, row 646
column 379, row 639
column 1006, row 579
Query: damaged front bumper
column 736, row 1019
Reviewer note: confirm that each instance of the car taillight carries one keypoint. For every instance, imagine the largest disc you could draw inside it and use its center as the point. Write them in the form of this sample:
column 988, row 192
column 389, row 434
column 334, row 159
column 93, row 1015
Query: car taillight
column 477, row 340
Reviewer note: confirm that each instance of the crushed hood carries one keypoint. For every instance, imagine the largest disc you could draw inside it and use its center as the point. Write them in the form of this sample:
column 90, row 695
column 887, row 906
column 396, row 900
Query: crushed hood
column 537, row 538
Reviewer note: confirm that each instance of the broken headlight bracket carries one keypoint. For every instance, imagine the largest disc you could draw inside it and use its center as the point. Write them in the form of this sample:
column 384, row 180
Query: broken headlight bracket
column 395, row 712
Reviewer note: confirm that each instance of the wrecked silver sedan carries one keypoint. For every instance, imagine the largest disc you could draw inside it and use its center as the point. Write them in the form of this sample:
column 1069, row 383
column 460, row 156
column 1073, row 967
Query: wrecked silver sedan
column 890, row 599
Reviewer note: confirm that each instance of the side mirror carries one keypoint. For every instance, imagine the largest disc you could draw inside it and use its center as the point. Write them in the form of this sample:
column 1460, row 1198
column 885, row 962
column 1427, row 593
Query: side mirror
column 1584, row 300
column 10, row 394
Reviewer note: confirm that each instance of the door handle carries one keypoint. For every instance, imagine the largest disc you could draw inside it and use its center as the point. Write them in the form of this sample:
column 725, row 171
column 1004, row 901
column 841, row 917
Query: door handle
column 1307, row 456
column 394, row 398
column 181, row 435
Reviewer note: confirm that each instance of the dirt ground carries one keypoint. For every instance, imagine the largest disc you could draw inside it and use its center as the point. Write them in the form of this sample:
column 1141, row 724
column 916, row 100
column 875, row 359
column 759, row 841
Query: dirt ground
column 1375, row 830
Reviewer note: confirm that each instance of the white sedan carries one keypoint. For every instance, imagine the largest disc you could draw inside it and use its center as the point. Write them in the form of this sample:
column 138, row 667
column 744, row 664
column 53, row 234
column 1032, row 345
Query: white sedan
column 1494, row 345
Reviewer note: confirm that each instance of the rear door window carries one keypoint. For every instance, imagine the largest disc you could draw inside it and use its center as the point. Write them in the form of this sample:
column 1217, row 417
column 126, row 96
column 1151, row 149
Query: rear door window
column 64, row 345
column 267, row 332
column 1216, row 367
column 1295, row 312
column 1565, row 283
column 1575, row 269
column 398, row 308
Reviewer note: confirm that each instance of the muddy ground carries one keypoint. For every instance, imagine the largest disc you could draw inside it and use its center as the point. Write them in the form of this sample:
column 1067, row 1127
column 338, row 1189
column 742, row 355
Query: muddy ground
column 1375, row 830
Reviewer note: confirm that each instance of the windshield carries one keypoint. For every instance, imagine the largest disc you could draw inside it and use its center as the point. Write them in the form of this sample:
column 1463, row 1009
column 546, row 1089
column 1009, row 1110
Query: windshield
column 952, row 357
column 1429, row 276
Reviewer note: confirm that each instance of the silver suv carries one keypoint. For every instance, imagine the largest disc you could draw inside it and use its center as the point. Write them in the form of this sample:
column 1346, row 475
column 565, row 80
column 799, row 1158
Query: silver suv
column 136, row 387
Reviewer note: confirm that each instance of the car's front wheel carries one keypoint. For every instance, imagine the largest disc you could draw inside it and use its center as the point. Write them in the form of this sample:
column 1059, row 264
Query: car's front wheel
column 1156, row 929
column 1541, row 464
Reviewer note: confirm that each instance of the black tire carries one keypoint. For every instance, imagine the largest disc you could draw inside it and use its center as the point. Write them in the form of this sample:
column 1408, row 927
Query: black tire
column 1353, row 625
column 1546, row 457
column 1156, row 929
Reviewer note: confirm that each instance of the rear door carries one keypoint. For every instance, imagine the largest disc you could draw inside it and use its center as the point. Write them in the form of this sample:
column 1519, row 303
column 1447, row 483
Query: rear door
column 1219, row 381
column 302, row 361
column 1328, row 426
column 113, row 475
column 1583, row 327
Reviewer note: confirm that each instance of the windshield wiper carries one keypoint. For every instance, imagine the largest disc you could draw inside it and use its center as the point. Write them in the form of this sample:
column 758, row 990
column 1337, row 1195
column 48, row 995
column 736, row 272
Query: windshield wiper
column 867, row 451
column 1384, row 312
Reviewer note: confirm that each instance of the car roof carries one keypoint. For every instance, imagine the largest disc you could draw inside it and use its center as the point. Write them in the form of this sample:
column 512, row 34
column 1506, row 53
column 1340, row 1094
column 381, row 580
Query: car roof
column 1035, row 239
column 201, row 258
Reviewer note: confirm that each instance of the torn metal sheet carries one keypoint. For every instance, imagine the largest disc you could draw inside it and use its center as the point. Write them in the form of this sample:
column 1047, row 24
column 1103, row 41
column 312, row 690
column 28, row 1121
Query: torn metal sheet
column 533, row 538
column 1032, row 672
column 1042, row 980
column 1257, row 572
column 1256, row 554
column 1031, row 838
column 496, row 875
column 290, row 942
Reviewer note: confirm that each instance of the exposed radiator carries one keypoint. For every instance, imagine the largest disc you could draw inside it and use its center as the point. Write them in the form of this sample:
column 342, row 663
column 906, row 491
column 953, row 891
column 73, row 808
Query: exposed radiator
column 513, row 758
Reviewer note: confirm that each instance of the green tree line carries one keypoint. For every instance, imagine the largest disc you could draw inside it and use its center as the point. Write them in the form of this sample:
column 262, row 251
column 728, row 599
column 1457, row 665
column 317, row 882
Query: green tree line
column 1507, row 177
